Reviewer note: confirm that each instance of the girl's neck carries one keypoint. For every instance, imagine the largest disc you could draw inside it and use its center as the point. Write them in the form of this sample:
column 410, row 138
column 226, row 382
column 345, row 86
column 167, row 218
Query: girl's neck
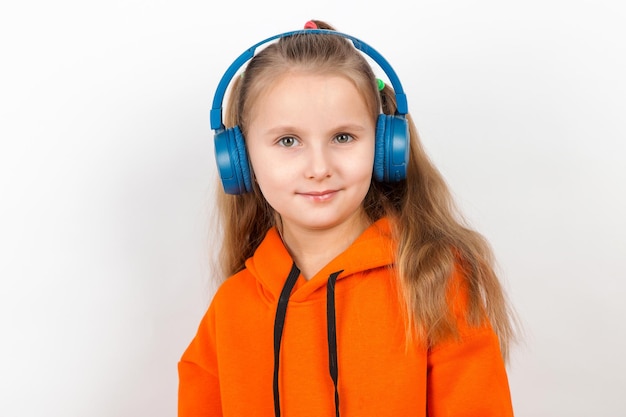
column 313, row 249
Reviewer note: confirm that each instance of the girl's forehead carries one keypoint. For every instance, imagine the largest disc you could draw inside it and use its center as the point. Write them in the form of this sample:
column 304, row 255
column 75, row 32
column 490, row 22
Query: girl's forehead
column 305, row 83
column 300, row 89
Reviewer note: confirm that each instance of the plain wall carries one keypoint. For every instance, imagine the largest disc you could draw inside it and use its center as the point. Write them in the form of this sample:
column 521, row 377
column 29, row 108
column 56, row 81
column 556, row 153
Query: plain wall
column 107, row 176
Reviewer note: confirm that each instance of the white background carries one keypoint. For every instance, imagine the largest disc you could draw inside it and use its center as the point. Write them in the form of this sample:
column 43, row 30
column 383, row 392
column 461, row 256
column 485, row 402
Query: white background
column 106, row 176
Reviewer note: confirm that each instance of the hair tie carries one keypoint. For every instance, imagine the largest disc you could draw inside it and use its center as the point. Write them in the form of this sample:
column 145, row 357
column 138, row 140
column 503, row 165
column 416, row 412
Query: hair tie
column 310, row 25
column 381, row 84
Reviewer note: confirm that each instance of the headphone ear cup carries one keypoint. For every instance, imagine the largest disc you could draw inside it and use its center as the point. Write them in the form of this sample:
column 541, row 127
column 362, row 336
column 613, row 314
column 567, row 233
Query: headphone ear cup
column 391, row 155
column 379, row 148
column 232, row 161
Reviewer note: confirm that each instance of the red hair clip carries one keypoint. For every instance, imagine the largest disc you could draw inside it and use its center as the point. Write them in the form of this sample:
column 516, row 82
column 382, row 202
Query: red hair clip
column 310, row 25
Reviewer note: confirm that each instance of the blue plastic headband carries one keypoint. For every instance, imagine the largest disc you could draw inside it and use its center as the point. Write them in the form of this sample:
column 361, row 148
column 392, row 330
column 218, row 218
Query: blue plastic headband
column 216, row 110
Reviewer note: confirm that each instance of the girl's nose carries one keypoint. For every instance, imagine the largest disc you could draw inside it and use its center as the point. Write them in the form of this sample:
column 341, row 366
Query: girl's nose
column 318, row 162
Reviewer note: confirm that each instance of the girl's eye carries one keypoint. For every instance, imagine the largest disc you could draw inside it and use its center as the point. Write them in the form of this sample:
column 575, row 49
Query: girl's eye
column 287, row 141
column 343, row 138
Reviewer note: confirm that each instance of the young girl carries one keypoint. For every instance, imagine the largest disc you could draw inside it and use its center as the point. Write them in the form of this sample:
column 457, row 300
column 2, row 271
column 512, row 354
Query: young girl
column 354, row 288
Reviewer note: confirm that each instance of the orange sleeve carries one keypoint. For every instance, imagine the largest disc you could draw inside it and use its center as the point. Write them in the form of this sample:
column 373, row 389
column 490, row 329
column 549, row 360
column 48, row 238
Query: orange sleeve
column 467, row 376
column 198, row 388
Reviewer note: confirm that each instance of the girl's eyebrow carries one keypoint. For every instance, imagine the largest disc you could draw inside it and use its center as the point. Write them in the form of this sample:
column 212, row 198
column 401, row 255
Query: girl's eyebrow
column 352, row 127
column 281, row 129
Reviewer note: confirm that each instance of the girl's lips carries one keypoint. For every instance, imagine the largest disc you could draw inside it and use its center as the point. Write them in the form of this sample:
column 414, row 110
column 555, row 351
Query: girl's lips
column 319, row 196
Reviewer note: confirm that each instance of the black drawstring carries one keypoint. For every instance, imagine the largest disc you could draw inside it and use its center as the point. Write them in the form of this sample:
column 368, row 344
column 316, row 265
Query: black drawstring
column 279, row 324
column 332, row 334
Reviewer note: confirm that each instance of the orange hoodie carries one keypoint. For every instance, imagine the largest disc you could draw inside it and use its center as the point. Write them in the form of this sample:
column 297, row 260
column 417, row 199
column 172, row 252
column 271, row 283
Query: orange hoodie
column 244, row 362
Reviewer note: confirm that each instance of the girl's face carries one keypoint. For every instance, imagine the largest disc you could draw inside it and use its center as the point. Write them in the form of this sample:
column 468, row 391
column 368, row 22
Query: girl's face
column 310, row 140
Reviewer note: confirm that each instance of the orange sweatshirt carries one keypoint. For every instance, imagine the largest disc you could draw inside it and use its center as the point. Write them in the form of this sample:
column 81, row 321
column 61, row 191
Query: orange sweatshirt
column 243, row 362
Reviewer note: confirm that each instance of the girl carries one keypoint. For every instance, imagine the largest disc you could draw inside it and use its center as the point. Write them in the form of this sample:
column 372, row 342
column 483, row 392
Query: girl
column 354, row 289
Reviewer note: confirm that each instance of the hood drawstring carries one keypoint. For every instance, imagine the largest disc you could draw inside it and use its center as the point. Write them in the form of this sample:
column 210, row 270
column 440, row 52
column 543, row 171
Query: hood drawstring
column 279, row 324
column 332, row 334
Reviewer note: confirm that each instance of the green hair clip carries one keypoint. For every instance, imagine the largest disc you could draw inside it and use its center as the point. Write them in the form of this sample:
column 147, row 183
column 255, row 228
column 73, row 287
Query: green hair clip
column 381, row 84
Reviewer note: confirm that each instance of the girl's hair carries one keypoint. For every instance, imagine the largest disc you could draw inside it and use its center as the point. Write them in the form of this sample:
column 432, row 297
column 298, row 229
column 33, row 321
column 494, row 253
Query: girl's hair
column 432, row 237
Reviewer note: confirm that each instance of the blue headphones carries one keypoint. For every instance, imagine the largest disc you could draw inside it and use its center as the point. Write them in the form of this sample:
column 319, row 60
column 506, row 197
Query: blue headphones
column 392, row 131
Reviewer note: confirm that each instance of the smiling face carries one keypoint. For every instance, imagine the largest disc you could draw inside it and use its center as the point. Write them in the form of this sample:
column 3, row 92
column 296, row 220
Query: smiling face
column 310, row 141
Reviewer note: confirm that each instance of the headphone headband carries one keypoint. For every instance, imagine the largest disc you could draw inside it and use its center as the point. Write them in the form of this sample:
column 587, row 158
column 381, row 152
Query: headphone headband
column 218, row 99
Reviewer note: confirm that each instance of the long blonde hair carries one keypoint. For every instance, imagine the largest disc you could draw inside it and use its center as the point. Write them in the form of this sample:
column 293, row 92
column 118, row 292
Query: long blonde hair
column 432, row 236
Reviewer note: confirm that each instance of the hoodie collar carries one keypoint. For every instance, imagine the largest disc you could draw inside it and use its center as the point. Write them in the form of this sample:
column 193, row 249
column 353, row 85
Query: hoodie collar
column 271, row 262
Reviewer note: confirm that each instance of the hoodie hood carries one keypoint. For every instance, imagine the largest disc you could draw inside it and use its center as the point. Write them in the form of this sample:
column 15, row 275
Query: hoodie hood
column 271, row 263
